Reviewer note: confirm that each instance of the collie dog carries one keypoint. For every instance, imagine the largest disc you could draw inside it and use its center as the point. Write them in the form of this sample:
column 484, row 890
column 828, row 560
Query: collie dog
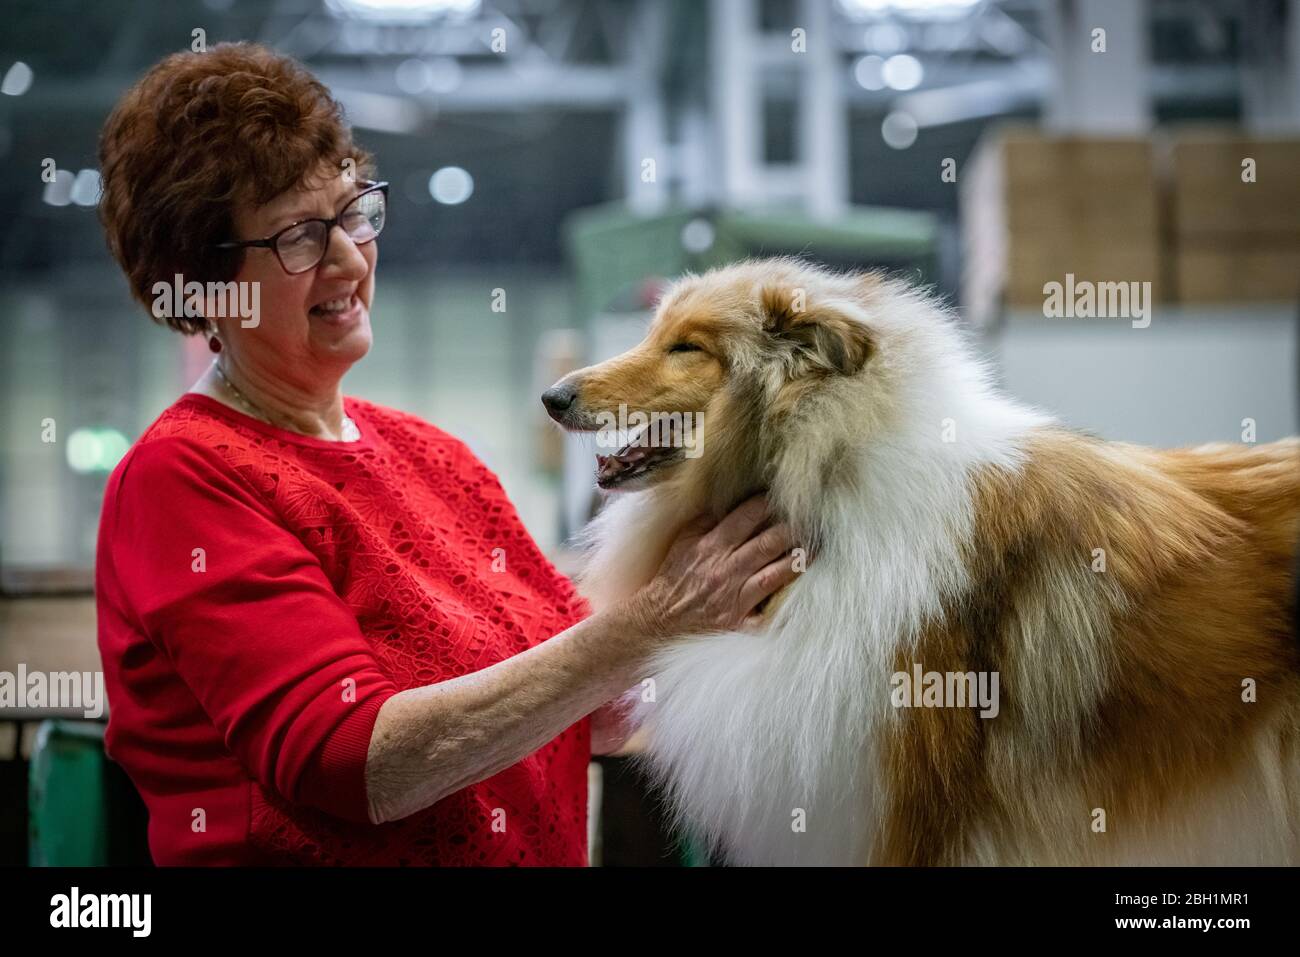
column 1130, row 610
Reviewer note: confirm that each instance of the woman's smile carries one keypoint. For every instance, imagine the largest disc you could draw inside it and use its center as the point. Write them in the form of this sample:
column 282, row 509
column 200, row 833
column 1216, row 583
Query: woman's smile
column 339, row 312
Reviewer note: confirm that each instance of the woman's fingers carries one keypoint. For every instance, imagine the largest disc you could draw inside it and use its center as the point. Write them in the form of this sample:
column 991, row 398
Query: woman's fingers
column 768, row 580
column 738, row 525
column 715, row 575
column 762, row 548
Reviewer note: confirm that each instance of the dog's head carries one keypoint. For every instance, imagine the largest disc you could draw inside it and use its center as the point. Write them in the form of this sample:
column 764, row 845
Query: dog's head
column 730, row 357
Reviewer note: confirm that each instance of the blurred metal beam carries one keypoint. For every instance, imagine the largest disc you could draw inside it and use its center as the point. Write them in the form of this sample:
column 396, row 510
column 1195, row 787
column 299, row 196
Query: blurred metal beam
column 972, row 101
column 1098, row 92
column 736, row 98
column 484, row 89
column 644, row 131
column 507, row 87
column 823, row 116
column 1270, row 68
column 744, row 62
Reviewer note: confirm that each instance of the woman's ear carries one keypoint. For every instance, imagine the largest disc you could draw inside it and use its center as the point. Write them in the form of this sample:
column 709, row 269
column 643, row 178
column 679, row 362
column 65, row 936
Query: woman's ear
column 827, row 337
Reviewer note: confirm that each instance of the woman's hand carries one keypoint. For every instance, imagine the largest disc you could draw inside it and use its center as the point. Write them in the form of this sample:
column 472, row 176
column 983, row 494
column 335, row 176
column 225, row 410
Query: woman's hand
column 714, row 576
column 431, row 741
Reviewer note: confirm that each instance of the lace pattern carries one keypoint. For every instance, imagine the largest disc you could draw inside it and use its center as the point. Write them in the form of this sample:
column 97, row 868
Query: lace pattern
column 418, row 538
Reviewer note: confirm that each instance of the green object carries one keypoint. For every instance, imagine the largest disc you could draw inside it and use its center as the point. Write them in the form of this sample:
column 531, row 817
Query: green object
column 613, row 248
column 67, row 811
column 693, row 853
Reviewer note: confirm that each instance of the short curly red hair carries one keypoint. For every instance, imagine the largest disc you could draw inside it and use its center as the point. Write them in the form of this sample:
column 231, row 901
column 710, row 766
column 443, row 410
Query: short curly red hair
column 197, row 137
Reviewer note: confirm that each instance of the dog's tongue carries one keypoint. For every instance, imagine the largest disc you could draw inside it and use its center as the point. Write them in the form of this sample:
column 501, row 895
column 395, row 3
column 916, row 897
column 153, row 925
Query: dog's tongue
column 630, row 455
column 608, row 466
column 627, row 457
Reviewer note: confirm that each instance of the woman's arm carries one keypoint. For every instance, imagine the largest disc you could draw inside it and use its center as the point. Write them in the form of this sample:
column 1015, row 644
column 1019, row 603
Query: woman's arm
column 429, row 742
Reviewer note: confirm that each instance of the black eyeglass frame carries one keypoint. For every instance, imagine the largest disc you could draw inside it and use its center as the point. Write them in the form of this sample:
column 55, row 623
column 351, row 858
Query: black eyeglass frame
column 271, row 241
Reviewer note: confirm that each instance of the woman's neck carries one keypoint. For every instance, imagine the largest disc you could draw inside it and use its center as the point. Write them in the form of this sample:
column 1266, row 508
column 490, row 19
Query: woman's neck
column 317, row 413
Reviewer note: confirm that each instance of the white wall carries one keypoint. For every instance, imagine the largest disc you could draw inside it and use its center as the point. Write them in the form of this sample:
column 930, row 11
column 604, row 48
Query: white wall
column 1190, row 377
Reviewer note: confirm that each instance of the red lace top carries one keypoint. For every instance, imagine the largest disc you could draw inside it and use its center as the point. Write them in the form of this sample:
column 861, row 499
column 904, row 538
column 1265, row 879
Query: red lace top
column 260, row 595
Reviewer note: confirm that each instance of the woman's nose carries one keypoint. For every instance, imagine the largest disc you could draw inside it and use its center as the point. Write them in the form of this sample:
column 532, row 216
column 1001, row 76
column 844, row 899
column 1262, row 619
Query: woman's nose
column 344, row 256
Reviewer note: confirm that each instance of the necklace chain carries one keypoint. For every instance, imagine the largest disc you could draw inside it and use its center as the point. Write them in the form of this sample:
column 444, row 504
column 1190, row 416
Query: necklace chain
column 350, row 431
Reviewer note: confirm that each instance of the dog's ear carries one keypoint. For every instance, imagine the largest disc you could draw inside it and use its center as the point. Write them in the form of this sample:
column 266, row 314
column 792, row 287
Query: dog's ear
column 826, row 338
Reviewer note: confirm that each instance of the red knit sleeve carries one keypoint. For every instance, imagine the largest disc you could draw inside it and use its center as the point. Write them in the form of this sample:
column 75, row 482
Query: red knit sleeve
column 250, row 623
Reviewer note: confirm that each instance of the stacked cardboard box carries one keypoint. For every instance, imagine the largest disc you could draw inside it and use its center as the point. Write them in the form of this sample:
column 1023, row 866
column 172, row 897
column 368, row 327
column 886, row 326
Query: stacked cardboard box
column 1036, row 207
column 1235, row 216
column 1210, row 216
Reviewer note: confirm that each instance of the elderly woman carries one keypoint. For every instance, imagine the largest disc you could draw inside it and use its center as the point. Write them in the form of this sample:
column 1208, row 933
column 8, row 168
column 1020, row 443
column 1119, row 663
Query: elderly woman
column 326, row 635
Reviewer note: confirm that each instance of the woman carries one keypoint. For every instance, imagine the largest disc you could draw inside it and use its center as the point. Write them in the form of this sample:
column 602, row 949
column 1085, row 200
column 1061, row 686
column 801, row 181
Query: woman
column 326, row 636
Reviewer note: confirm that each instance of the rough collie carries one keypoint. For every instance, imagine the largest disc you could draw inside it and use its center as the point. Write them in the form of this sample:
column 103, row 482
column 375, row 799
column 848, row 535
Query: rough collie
column 1129, row 609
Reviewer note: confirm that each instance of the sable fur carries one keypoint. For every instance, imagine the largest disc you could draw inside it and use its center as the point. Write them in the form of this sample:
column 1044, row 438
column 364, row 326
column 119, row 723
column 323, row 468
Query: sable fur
column 956, row 528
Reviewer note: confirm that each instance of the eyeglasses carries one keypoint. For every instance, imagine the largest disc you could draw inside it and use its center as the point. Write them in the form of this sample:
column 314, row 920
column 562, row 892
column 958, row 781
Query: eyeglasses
column 302, row 245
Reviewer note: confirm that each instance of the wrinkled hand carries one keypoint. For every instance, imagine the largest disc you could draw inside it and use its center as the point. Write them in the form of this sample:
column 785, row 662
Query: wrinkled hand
column 715, row 575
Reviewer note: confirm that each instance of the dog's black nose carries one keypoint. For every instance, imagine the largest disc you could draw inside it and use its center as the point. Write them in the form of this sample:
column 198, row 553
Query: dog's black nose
column 558, row 398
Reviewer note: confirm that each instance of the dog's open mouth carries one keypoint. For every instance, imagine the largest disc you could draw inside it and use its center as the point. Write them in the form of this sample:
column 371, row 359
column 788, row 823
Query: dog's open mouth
column 647, row 450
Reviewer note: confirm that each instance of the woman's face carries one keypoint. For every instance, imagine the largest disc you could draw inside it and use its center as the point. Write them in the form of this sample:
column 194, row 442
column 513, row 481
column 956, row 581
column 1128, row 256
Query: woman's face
column 301, row 337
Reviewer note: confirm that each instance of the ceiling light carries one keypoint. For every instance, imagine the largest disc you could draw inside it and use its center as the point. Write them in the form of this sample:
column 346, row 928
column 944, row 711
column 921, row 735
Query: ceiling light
column 902, row 72
column 17, row 80
column 869, row 72
column 451, row 185
column 898, row 130
column 401, row 10
column 85, row 188
column 918, row 9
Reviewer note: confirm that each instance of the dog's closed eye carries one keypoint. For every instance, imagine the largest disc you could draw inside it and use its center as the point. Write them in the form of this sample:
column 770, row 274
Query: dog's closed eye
column 684, row 347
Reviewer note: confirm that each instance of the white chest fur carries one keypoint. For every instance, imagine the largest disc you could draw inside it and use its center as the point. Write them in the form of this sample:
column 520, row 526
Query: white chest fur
column 765, row 742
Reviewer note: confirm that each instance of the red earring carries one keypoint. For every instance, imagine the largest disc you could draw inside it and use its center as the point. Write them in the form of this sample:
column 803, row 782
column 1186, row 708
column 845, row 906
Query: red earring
column 214, row 344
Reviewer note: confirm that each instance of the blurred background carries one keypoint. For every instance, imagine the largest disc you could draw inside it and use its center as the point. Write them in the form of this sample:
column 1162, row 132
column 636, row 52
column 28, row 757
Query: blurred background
column 555, row 161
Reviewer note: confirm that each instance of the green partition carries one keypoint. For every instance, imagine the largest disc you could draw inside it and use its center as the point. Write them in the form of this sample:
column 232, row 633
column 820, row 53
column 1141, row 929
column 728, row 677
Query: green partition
column 613, row 248
column 67, row 810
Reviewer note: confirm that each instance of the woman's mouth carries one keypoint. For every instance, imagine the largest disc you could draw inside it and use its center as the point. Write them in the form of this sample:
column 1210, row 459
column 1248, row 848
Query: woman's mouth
column 337, row 312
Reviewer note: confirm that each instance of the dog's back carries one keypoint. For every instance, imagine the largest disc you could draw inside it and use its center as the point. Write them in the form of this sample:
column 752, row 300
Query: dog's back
column 1137, row 605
